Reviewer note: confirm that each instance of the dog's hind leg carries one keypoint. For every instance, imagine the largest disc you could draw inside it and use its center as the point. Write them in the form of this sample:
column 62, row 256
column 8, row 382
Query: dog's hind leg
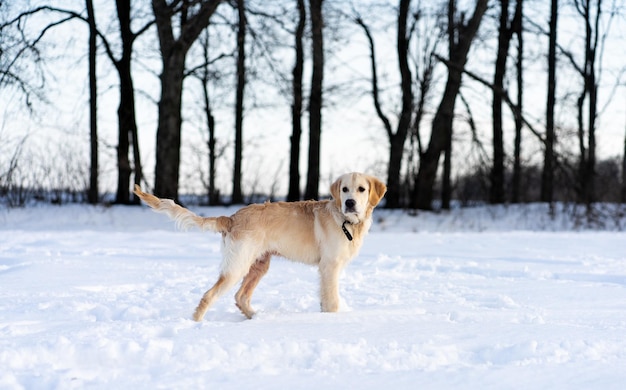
column 250, row 281
column 223, row 284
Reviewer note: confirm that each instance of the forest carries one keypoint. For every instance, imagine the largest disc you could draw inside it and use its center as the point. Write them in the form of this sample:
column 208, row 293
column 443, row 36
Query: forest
column 447, row 101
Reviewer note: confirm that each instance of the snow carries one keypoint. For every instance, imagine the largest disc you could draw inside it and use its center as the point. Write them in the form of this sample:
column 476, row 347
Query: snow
column 506, row 298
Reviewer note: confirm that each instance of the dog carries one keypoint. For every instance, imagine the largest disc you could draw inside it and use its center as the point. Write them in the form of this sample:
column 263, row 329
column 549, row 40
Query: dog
column 326, row 234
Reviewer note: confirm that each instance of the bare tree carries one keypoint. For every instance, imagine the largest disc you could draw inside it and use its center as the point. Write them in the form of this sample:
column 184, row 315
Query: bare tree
column 506, row 28
column 92, row 194
column 193, row 18
column 623, row 194
column 517, row 27
column 590, row 93
column 427, row 40
column 505, row 33
column 397, row 139
column 296, row 107
column 547, row 175
column 126, row 115
column 460, row 37
column 204, row 74
column 315, row 100
column 127, row 126
column 237, row 196
column 22, row 50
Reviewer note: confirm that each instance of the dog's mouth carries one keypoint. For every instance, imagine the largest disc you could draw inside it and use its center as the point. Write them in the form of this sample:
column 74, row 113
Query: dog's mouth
column 351, row 215
column 350, row 211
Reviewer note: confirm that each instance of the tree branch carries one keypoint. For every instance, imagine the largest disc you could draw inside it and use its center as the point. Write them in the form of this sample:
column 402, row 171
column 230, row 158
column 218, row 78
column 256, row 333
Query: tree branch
column 209, row 62
column 514, row 108
column 375, row 94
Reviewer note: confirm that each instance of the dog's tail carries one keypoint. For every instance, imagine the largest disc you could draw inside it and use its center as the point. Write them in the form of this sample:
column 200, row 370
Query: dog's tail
column 184, row 218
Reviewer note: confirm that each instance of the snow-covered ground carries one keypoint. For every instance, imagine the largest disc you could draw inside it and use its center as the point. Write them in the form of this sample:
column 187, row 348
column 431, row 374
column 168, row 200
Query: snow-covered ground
column 479, row 298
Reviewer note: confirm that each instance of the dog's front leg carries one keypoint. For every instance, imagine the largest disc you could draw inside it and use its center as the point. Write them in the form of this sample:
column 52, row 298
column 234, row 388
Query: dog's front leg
column 329, row 285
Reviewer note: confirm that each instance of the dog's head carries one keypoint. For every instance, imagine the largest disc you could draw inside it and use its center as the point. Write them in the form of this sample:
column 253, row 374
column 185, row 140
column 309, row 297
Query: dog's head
column 356, row 195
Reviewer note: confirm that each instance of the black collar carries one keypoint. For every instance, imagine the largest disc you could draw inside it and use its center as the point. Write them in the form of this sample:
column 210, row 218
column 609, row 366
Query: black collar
column 345, row 231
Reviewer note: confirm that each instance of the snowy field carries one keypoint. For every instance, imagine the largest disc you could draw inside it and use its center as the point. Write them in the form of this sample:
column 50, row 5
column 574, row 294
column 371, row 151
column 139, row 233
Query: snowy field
column 498, row 298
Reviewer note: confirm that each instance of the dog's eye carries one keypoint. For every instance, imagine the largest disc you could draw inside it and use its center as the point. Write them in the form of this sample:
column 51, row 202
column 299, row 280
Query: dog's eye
column 361, row 189
column 344, row 189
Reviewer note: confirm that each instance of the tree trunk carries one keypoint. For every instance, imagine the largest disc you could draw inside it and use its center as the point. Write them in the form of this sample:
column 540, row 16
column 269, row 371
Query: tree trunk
column 460, row 39
column 429, row 161
column 93, row 195
column 582, row 149
column 497, row 171
column 296, row 108
column 169, row 126
column 592, row 113
column 241, row 83
column 126, row 121
column 446, row 182
column 590, row 90
column 315, row 101
column 547, row 176
column 214, row 197
column 425, row 79
column 623, row 198
column 136, row 153
column 517, row 149
column 173, row 53
column 127, row 125
column 398, row 139
column 213, row 194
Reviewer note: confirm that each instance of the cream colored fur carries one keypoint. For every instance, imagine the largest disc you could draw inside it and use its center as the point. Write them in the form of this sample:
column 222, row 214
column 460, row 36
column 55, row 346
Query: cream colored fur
column 309, row 232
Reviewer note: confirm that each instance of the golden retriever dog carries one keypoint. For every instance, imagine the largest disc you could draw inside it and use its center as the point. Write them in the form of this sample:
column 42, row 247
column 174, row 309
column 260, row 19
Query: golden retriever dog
column 325, row 233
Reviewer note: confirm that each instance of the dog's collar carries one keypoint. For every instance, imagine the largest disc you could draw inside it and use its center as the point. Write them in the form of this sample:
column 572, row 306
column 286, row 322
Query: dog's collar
column 345, row 230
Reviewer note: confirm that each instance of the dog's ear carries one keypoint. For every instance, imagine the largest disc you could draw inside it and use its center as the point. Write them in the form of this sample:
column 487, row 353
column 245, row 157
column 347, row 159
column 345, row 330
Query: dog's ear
column 335, row 191
column 377, row 190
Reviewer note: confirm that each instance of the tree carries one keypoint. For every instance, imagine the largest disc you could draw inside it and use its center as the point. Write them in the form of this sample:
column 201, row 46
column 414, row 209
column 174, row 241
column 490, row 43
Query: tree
column 460, row 37
column 427, row 40
column 92, row 194
column 623, row 190
column 126, row 115
column 396, row 139
column 505, row 34
column 315, row 100
column 173, row 53
column 237, row 196
column 203, row 73
column 127, row 126
column 506, row 28
column 19, row 48
column 519, row 123
column 590, row 93
column 296, row 107
column 547, row 174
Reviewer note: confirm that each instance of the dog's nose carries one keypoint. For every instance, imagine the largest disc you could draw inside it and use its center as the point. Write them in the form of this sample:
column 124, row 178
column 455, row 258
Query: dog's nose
column 350, row 203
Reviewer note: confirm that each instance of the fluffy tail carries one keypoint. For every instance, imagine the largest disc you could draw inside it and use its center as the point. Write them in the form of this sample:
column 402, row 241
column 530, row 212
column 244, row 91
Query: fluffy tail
column 184, row 218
